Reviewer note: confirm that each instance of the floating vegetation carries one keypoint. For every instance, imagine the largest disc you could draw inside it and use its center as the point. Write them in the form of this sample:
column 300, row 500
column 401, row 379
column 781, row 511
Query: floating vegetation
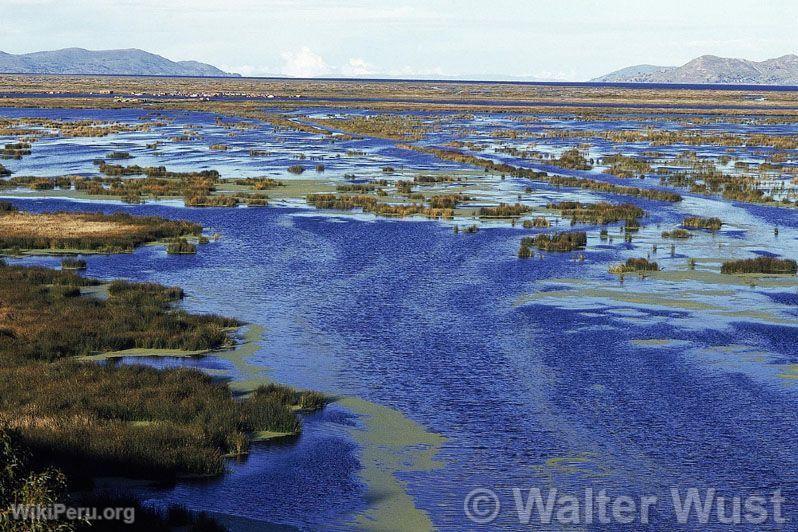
column 635, row 265
column 677, row 234
column 770, row 265
column 561, row 241
column 389, row 126
column 627, row 167
column 15, row 150
column 117, row 170
column 699, row 222
column 435, row 179
column 117, row 155
column 259, row 183
column 404, row 187
column 538, row 221
column 572, row 159
column 370, row 204
column 525, row 252
column 359, row 188
column 208, row 200
column 296, row 169
column 69, row 263
column 180, row 246
column 601, row 213
column 219, row 147
column 447, row 201
column 504, row 210
column 68, row 231
column 565, row 181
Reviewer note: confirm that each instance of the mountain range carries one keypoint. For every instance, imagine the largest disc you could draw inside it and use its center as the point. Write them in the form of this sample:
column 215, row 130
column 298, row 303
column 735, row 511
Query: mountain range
column 714, row 70
column 131, row 62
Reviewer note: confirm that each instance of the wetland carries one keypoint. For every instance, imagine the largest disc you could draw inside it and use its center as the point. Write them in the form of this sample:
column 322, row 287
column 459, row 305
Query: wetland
column 391, row 294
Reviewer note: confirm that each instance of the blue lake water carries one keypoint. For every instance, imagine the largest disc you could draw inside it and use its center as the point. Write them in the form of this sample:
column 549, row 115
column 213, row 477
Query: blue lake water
column 411, row 316
column 631, row 394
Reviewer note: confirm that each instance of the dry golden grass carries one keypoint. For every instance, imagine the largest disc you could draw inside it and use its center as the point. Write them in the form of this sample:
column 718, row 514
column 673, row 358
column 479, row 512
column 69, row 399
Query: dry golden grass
column 62, row 225
column 109, row 233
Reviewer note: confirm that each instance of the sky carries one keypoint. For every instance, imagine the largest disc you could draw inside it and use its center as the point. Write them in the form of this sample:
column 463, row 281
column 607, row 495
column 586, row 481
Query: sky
column 565, row 40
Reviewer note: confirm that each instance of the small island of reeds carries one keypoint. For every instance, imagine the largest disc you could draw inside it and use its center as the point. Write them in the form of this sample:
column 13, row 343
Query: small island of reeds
column 635, row 265
column 87, row 232
column 699, row 222
column 768, row 265
column 565, row 241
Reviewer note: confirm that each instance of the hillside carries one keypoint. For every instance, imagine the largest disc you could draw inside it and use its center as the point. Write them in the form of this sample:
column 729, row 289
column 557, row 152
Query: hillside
column 712, row 69
column 112, row 62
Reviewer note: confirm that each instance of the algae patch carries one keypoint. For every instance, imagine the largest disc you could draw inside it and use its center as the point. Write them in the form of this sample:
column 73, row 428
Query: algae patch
column 391, row 443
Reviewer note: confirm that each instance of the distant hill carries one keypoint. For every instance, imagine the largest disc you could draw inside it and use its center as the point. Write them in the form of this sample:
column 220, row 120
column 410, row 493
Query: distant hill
column 130, row 62
column 712, row 69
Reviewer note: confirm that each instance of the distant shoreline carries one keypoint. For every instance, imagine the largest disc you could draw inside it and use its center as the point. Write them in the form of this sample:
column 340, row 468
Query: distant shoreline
column 624, row 85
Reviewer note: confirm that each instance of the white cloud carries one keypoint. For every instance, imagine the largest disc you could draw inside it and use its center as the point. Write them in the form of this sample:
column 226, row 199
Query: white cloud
column 251, row 70
column 410, row 72
column 357, row 67
column 304, row 63
column 558, row 75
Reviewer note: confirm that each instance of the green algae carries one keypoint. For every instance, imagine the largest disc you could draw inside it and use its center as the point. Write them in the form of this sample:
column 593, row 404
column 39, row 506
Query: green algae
column 391, row 443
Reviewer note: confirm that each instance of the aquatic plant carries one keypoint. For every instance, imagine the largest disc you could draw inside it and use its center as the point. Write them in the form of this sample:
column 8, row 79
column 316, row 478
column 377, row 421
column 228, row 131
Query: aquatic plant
column 635, row 265
column 15, row 150
column 566, row 181
column 538, row 221
column 180, row 246
column 601, row 213
column 206, row 200
column 259, row 183
column 504, row 210
column 447, row 201
column 561, row 241
column 677, row 233
column 69, row 263
column 771, row 265
column 572, row 159
column 627, row 167
column 118, row 232
column 524, row 251
column 136, row 421
column 699, row 222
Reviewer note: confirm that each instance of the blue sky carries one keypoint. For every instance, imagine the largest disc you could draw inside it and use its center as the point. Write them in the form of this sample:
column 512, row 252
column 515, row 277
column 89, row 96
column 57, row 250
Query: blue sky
column 480, row 39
